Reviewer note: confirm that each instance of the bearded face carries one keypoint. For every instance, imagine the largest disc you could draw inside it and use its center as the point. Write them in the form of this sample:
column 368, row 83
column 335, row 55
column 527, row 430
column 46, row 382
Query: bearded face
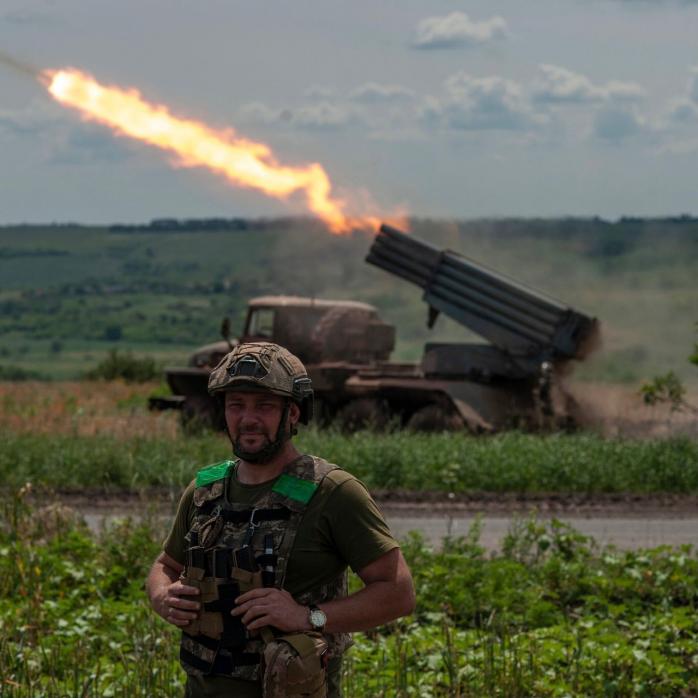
column 258, row 423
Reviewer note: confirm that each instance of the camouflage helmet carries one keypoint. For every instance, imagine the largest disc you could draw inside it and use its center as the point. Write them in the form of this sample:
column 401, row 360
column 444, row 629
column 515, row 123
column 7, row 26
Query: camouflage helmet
column 264, row 366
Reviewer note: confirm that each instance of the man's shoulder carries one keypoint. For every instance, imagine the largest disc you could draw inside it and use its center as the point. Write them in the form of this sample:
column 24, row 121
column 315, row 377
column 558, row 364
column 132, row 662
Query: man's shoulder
column 339, row 488
column 337, row 477
column 331, row 474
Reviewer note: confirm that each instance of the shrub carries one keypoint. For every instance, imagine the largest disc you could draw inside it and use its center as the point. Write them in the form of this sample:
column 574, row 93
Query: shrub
column 126, row 366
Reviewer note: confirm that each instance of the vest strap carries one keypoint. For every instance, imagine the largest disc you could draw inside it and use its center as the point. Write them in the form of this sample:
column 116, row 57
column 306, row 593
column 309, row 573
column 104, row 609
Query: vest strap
column 245, row 515
column 222, row 664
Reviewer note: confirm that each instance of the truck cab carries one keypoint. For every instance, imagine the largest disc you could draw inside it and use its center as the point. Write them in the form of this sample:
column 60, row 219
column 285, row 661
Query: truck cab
column 318, row 330
column 333, row 338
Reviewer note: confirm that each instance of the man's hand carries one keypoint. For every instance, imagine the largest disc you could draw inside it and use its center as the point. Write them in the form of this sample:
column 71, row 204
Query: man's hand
column 260, row 607
column 177, row 606
column 168, row 596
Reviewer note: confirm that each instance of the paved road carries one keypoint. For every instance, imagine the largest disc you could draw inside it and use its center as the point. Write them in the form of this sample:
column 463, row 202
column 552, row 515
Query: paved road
column 623, row 532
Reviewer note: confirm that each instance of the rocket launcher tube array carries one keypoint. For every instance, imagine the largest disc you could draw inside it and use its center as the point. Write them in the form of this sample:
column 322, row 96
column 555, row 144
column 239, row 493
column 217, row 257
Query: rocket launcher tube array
column 515, row 318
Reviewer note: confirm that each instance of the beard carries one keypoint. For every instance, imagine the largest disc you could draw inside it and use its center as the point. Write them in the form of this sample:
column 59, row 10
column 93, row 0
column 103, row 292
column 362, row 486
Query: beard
column 270, row 447
column 260, row 455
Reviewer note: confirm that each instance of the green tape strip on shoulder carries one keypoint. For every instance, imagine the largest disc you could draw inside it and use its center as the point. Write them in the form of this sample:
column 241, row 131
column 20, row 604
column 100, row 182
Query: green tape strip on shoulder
column 295, row 488
column 214, row 472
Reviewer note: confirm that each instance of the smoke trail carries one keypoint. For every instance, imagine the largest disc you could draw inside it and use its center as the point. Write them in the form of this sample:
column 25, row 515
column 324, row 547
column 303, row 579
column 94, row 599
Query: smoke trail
column 19, row 66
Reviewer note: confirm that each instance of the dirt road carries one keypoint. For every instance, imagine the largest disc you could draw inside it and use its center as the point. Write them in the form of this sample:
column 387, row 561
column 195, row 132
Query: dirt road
column 626, row 521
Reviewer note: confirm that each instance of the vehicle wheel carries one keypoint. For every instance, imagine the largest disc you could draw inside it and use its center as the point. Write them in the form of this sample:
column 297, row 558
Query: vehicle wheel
column 363, row 413
column 200, row 413
column 435, row 418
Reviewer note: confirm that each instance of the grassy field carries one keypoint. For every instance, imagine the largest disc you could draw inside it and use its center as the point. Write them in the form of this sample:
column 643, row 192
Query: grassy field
column 100, row 435
column 163, row 293
column 439, row 463
column 551, row 615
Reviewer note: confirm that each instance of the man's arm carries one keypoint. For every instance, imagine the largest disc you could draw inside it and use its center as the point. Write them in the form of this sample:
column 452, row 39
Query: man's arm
column 168, row 596
column 388, row 594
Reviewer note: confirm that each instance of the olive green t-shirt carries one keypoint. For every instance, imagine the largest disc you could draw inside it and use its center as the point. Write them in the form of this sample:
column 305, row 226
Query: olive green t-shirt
column 342, row 526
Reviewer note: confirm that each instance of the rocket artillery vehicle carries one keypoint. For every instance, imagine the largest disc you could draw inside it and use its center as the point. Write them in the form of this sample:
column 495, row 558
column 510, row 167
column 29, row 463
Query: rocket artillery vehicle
column 511, row 382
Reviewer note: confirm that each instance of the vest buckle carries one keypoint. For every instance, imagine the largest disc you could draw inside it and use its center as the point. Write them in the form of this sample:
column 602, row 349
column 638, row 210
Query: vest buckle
column 252, row 526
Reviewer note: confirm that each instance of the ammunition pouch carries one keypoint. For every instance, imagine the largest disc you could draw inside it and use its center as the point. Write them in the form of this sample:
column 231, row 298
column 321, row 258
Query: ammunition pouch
column 295, row 665
column 215, row 639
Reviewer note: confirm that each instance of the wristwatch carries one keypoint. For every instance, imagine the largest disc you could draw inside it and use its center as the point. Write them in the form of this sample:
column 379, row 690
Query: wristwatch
column 317, row 618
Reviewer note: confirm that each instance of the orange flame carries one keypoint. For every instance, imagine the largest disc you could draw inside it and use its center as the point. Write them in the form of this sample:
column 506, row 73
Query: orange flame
column 239, row 160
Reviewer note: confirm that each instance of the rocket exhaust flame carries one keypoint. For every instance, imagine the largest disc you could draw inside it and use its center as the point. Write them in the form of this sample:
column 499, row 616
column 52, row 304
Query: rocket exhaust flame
column 242, row 162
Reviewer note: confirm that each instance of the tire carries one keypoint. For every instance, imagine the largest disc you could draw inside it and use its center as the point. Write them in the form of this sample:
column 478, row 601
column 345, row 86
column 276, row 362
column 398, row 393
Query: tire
column 435, row 418
column 362, row 413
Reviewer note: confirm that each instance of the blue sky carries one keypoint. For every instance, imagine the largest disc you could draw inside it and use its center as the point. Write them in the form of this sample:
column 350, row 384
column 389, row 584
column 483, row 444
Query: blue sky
column 466, row 109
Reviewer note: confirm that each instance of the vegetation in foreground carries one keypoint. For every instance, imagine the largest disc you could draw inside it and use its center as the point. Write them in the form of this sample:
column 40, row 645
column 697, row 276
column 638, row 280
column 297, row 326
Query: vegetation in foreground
column 551, row 615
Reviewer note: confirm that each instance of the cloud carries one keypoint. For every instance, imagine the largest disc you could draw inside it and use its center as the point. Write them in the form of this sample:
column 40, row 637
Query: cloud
column 489, row 103
column 319, row 92
column 457, row 29
column 63, row 139
column 680, row 147
column 684, row 111
column 33, row 120
column 616, row 124
column 375, row 93
column 257, row 112
column 15, row 123
column 88, row 144
column 562, row 86
column 322, row 115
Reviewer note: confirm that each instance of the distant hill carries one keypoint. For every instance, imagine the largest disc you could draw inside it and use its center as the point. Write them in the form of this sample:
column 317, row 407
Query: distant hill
column 69, row 293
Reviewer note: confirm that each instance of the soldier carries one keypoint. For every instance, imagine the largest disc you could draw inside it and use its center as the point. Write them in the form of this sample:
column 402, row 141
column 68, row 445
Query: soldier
column 254, row 568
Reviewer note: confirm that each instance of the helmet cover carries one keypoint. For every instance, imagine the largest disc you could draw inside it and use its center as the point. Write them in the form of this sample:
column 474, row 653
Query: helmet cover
column 264, row 366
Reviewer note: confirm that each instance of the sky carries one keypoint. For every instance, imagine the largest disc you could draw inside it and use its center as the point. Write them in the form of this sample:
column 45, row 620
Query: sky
column 441, row 109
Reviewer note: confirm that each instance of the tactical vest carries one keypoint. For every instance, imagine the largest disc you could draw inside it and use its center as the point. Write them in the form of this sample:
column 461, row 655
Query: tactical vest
column 233, row 548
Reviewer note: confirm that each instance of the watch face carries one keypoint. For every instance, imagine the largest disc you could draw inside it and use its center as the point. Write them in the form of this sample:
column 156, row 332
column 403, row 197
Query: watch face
column 317, row 618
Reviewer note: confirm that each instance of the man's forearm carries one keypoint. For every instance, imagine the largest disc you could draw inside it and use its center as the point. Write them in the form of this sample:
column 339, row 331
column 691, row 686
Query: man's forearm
column 388, row 594
column 376, row 604
column 157, row 583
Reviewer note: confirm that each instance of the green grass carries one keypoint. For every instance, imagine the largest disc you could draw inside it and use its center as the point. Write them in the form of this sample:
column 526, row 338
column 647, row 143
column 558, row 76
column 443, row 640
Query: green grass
column 551, row 615
column 510, row 462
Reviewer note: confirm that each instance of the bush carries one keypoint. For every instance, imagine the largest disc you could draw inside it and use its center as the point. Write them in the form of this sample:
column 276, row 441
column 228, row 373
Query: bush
column 125, row 366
